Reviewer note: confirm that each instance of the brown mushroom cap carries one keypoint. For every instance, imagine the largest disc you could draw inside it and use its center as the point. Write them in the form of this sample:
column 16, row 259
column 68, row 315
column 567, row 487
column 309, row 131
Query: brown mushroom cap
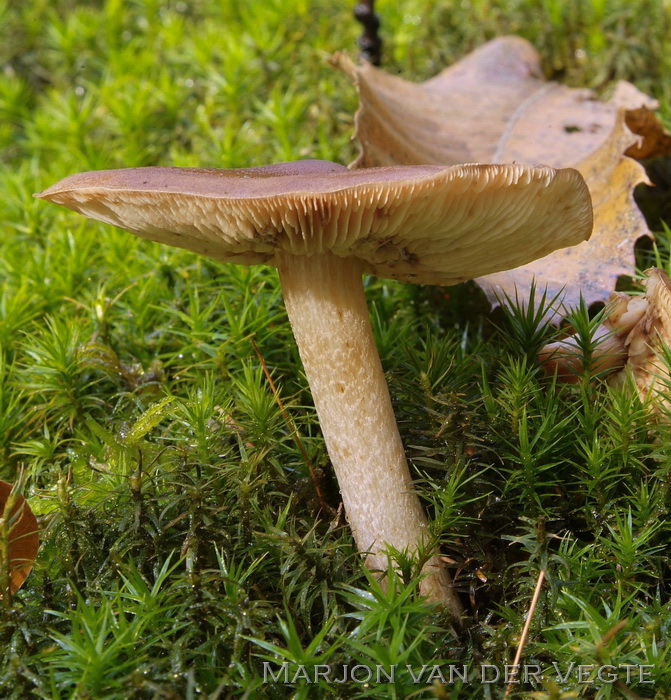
column 424, row 224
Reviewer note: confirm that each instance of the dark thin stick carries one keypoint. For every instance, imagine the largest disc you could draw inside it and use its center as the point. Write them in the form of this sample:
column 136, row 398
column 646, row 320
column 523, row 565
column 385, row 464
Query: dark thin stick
column 290, row 423
column 369, row 41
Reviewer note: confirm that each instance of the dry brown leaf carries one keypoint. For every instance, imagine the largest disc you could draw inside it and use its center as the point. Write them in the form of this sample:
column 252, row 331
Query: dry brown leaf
column 593, row 267
column 640, row 118
column 23, row 538
column 494, row 106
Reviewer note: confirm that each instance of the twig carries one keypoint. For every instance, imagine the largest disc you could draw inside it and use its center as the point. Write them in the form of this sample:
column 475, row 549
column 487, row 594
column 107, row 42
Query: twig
column 292, row 427
column 369, row 41
column 525, row 633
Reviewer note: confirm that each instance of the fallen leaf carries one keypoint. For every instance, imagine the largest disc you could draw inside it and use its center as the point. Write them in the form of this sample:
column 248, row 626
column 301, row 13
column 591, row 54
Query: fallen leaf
column 23, row 538
column 593, row 267
column 640, row 118
column 494, row 106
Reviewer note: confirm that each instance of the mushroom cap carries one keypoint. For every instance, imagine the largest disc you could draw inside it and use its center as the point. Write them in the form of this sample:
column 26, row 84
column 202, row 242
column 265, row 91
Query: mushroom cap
column 426, row 224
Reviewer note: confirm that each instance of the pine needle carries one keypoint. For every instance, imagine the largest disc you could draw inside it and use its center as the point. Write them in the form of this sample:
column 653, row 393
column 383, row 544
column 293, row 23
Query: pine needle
column 525, row 633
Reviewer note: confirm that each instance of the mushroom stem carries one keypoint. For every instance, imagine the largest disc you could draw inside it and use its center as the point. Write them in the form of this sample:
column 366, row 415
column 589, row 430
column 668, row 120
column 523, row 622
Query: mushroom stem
column 326, row 304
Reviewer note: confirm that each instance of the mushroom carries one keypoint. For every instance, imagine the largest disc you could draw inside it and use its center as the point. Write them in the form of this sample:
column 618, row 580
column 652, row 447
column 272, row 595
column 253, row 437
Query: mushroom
column 631, row 340
column 323, row 226
column 646, row 360
column 609, row 352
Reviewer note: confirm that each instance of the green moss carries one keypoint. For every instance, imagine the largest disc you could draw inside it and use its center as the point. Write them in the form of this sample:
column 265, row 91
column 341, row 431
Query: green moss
column 182, row 540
